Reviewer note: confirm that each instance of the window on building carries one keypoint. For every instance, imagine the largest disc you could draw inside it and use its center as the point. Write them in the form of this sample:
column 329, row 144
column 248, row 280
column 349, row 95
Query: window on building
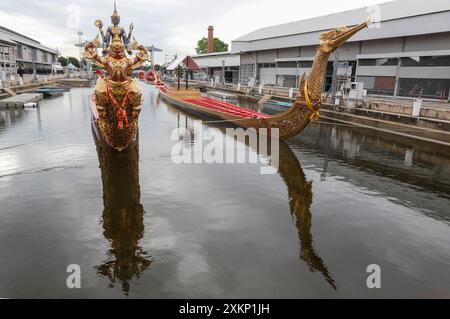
column 378, row 85
column 443, row 60
column 19, row 52
column 267, row 65
column 425, row 88
column 287, row 81
column 379, row 62
column 287, row 64
column 247, row 71
column 306, row 64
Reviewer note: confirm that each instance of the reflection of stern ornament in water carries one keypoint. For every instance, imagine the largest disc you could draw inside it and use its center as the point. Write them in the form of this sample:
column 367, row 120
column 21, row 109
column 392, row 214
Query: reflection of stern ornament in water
column 300, row 200
column 123, row 216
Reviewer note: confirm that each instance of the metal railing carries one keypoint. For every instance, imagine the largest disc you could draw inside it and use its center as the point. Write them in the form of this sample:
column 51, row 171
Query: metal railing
column 7, row 58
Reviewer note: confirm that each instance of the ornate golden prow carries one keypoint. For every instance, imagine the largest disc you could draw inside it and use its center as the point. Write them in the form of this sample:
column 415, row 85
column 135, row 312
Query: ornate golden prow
column 116, row 103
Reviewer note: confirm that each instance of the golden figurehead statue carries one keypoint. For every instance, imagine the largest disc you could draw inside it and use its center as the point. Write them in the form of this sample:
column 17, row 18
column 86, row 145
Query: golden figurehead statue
column 117, row 101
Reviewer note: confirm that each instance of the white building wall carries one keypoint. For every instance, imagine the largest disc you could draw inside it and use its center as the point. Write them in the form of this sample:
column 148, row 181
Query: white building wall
column 302, row 71
column 268, row 56
column 425, row 72
column 377, row 70
column 287, row 71
column 382, row 46
column 349, row 51
column 215, row 61
column 424, row 43
column 308, row 51
column 248, row 58
column 267, row 75
column 289, row 53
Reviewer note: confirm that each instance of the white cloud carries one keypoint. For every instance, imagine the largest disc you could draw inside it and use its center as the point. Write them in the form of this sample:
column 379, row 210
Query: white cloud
column 173, row 25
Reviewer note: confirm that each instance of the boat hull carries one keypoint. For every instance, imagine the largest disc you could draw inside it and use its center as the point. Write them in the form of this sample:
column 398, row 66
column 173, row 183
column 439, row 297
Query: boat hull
column 108, row 133
column 289, row 123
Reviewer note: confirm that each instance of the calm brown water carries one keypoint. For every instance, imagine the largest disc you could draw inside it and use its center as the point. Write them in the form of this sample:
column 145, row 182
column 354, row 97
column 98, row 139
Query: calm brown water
column 141, row 226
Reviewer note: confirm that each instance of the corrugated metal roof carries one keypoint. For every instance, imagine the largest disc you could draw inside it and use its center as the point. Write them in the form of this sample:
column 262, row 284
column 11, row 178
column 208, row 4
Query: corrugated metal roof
column 216, row 60
column 410, row 26
column 14, row 37
column 213, row 54
column 6, row 39
column 389, row 11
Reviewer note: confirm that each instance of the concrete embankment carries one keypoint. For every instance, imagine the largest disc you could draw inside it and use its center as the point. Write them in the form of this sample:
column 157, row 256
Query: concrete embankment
column 11, row 88
column 385, row 115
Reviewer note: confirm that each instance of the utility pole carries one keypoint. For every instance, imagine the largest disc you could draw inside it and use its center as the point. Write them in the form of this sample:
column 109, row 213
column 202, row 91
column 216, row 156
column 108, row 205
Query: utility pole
column 223, row 72
column 33, row 61
column 80, row 40
column 334, row 81
column 187, row 73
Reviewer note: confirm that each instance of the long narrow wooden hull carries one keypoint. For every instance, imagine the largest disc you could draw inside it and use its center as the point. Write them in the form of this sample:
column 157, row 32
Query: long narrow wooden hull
column 118, row 140
column 289, row 123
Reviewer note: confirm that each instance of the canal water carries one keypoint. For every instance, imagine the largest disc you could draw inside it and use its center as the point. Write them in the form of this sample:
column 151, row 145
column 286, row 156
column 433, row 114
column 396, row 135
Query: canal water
column 141, row 226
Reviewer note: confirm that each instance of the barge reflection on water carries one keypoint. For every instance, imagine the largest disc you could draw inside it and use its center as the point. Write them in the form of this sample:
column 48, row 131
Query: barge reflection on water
column 140, row 226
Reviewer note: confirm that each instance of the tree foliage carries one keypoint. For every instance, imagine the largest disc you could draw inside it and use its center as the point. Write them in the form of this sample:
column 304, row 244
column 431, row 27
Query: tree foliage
column 74, row 61
column 219, row 46
column 63, row 60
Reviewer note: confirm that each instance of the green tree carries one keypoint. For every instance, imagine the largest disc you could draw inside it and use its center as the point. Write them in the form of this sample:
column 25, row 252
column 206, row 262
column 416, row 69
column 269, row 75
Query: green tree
column 62, row 60
column 74, row 61
column 219, row 46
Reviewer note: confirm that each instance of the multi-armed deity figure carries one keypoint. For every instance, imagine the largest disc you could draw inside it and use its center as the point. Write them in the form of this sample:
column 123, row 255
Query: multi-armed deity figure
column 117, row 100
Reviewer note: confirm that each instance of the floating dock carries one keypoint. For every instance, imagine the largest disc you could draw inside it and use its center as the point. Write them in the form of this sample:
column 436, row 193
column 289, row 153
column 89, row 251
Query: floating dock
column 19, row 101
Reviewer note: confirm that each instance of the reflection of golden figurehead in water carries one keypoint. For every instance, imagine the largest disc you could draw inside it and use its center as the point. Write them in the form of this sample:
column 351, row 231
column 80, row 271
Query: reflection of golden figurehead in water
column 300, row 200
column 123, row 216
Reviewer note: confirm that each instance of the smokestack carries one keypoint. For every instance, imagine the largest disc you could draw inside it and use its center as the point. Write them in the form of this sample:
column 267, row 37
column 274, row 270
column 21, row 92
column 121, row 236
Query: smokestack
column 211, row 39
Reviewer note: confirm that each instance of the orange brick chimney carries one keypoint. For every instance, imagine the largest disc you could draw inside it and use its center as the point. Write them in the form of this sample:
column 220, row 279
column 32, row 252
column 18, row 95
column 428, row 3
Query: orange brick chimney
column 211, row 39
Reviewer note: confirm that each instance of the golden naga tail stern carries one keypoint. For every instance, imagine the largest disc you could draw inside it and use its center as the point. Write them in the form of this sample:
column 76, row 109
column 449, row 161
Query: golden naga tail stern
column 332, row 40
column 310, row 90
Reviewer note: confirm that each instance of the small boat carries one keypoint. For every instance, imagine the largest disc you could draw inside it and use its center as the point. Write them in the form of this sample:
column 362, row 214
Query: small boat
column 280, row 103
column 289, row 123
column 52, row 91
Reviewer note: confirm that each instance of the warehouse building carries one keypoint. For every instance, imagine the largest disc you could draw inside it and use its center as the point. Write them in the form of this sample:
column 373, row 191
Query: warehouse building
column 406, row 53
column 221, row 67
column 17, row 49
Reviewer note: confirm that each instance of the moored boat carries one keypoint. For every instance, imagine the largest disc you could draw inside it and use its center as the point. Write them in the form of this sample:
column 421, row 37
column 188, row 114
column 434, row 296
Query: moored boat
column 289, row 123
column 52, row 91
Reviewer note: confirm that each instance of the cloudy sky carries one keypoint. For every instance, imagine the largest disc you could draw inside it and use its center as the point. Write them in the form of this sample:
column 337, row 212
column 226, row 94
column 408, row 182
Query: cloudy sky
column 173, row 25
